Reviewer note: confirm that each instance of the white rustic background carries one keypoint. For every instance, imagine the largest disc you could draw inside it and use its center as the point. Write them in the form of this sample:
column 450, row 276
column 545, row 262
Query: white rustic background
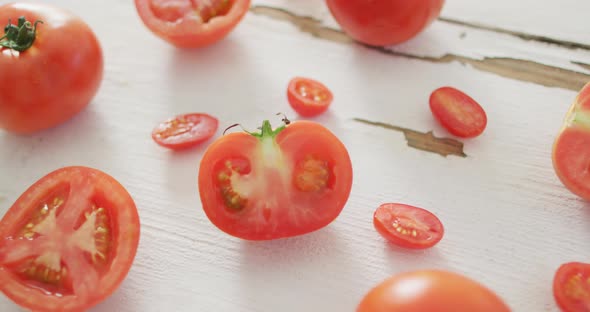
column 509, row 221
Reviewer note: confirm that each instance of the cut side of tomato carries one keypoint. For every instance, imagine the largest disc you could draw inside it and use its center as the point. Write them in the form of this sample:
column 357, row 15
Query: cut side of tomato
column 277, row 183
column 184, row 131
column 460, row 114
column 308, row 97
column 68, row 241
column 571, row 287
column 408, row 226
column 191, row 23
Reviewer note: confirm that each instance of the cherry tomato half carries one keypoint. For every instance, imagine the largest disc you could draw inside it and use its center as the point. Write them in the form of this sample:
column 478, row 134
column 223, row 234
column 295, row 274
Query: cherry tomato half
column 278, row 183
column 191, row 23
column 571, row 287
column 408, row 226
column 428, row 291
column 308, row 97
column 384, row 22
column 184, row 131
column 457, row 112
column 49, row 75
column 68, row 241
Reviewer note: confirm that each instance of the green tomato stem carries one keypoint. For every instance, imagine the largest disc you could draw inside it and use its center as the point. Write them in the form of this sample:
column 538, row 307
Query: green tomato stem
column 19, row 37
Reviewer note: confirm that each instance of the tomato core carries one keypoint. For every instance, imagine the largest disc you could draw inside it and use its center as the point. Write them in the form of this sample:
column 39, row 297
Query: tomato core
column 202, row 11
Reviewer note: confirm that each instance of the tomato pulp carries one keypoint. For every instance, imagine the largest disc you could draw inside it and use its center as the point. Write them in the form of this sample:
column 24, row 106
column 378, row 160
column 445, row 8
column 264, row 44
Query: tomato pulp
column 68, row 241
column 191, row 23
column 49, row 75
column 571, row 287
column 308, row 97
column 277, row 183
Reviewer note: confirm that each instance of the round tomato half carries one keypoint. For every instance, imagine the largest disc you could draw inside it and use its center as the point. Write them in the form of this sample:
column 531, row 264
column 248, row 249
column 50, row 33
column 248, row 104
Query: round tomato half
column 308, row 97
column 277, row 183
column 384, row 22
column 408, row 226
column 184, row 131
column 460, row 114
column 50, row 75
column 571, row 287
column 428, row 291
column 191, row 23
column 68, row 241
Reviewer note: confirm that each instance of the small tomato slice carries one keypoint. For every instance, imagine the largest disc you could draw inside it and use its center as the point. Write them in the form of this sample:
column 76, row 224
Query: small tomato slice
column 184, row 131
column 570, row 155
column 278, row 183
column 428, row 291
column 571, row 287
column 408, row 226
column 457, row 112
column 191, row 23
column 68, row 241
column 308, row 97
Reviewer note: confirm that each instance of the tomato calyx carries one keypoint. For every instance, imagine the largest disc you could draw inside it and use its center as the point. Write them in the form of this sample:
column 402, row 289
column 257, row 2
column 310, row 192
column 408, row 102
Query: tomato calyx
column 19, row 37
column 266, row 130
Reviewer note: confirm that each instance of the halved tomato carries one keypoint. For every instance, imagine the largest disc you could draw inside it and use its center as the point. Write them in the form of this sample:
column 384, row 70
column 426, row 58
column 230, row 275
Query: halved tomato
column 571, row 287
column 277, row 183
column 68, row 241
column 460, row 114
column 308, row 97
column 184, row 131
column 191, row 23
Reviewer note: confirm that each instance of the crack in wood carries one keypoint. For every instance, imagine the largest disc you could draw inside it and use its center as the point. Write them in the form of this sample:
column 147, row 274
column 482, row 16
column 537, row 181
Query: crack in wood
column 583, row 65
column 425, row 141
column 523, row 70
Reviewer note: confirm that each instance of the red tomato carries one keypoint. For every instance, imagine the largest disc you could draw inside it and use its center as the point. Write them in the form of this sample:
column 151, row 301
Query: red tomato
column 52, row 73
column 571, row 287
column 68, row 241
column 384, row 22
column 428, row 291
column 308, row 97
column 184, row 131
column 457, row 112
column 191, row 23
column 277, row 183
column 408, row 226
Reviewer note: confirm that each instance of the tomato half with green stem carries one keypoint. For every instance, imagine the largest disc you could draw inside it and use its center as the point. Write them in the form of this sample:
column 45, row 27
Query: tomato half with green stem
column 191, row 23
column 459, row 113
column 308, row 97
column 408, row 226
column 431, row 290
column 276, row 183
column 185, row 131
column 68, row 241
column 571, row 287
column 51, row 66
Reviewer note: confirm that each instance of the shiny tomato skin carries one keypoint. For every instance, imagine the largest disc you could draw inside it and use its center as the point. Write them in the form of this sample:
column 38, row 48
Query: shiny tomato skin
column 287, row 185
column 571, row 287
column 174, row 22
column 185, row 131
column 408, row 226
column 384, row 22
column 76, row 218
column 53, row 80
column 308, row 97
column 431, row 290
column 460, row 114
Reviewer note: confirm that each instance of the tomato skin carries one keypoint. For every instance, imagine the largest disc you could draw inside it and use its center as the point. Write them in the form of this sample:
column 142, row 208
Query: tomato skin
column 190, row 33
column 56, row 78
column 430, row 290
column 408, row 226
column 275, row 206
column 384, row 22
column 186, row 130
column 300, row 101
column 460, row 114
column 572, row 278
column 125, row 231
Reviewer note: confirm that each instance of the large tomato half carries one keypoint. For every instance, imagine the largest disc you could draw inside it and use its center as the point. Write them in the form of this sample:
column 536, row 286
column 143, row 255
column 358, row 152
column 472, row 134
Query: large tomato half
column 50, row 74
column 279, row 183
column 68, row 241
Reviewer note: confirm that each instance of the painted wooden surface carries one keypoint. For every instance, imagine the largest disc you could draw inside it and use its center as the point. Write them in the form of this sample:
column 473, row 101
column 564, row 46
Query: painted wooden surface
column 509, row 221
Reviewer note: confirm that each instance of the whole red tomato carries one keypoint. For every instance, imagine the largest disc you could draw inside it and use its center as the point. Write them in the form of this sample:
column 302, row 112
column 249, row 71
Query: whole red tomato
column 384, row 22
column 51, row 63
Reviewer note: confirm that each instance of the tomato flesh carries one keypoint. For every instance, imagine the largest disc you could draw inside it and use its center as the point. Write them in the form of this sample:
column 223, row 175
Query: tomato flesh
column 408, row 226
column 308, row 97
column 185, row 130
column 460, row 114
column 284, row 182
column 571, row 287
column 68, row 241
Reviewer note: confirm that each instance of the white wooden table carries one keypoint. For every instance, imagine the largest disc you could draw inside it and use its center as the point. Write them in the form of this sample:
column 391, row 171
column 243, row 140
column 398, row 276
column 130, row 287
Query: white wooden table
column 509, row 221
